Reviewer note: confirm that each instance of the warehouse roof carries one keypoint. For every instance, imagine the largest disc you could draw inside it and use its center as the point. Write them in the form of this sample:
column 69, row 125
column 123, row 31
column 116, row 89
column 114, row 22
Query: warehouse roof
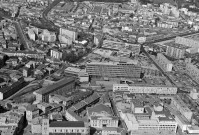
column 56, row 85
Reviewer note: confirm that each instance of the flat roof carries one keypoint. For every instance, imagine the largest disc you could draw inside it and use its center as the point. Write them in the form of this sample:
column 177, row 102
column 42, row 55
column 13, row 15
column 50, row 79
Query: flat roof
column 176, row 45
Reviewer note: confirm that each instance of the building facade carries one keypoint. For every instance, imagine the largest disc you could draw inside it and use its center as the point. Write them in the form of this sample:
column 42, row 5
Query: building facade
column 101, row 116
column 144, row 89
column 175, row 50
column 113, row 70
column 56, row 54
column 182, row 107
column 164, row 62
column 62, row 87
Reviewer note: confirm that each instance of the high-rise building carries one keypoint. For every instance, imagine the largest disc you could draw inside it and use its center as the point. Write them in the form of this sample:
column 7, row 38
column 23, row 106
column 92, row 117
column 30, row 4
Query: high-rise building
column 164, row 62
column 191, row 41
column 69, row 33
column 31, row 34
column 182, row 107
column 48, row 36
column 175, row 50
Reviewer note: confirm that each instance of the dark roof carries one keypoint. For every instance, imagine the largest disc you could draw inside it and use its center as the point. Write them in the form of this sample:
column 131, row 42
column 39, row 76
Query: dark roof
column 67, row 124
column 56, row 85
column 79, row 105
column 16, row 85
column 92, row 98
column 164, row 1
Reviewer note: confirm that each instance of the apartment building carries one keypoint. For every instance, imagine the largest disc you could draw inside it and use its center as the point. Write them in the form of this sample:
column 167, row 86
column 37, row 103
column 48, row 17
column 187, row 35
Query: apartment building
column 71, row 35
column 55, row 53
column 182, row 107
column 175, row 50
column 164, row 62
column 190, row 41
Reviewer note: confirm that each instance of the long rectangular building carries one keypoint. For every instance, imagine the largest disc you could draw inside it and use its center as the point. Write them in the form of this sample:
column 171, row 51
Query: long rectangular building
column 144, row 89
column 8, row 91
column 164, row 62
column 113, row 70
column 62, row 87
column 182, row 107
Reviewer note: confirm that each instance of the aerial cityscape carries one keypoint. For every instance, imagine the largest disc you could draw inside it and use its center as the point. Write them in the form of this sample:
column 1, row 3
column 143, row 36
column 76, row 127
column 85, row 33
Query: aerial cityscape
column 99, row 67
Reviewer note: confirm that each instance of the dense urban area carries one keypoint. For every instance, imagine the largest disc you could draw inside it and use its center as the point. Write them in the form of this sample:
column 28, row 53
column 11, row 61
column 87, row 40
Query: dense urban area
column 99, row 67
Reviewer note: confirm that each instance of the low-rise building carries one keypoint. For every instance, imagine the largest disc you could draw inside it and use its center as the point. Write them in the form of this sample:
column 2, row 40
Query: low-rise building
column 150, row 121
column 101, row 116
column 32, row 112
column 61, row 87
column 144, row 89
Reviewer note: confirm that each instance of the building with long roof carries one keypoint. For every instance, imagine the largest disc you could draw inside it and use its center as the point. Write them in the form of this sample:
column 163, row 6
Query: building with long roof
column 62, row 87
column 126, row 70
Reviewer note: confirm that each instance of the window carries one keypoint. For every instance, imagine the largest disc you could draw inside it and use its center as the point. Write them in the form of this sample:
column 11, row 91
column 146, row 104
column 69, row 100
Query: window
column 55, row 130
column 82, row 130
column 77, row 130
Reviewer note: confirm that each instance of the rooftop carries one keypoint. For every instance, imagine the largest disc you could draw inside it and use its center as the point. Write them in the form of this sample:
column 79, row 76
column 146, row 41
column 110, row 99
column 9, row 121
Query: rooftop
column 67, row 124
column 56, row 85
column 176, row 45
column 99, row 108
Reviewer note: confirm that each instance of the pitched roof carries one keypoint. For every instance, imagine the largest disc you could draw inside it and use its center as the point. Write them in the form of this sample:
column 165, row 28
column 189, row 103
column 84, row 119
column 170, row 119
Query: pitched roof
column 32, row 108
column 56, row 85
column 79, row 105
column 100, row 108
column 67, row 124
column 92, row 98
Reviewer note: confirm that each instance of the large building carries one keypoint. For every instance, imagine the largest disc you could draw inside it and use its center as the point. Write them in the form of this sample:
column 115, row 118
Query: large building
column 113, row 70
column 175, row 50
column 71, row 35
column 148, row 119
column 151, row 122
column 8, row 91
column 64, row 128
column 182, row 107
column 191, row 41
column 62, row 87
column 144, row 89
column 55, row 53
column 101, row 116
column 31, row 34
column 48, row 36
column 122, row 49
column 165, row 64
